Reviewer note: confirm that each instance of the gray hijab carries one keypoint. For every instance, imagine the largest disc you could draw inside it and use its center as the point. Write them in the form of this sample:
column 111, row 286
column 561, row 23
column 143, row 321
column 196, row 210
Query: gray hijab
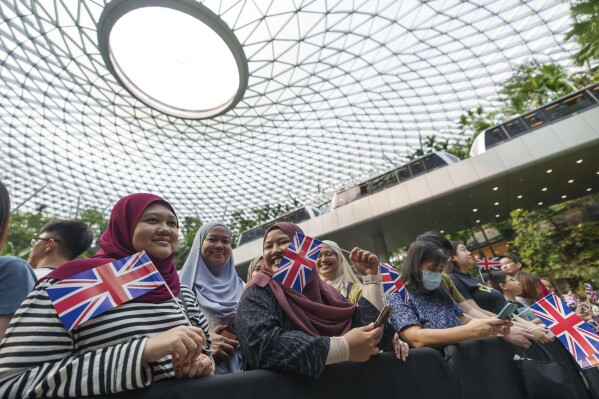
column 218, row 287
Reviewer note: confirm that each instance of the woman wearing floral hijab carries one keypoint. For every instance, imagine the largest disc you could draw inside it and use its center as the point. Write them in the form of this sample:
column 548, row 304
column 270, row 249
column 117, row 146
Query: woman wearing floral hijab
column 210, row 271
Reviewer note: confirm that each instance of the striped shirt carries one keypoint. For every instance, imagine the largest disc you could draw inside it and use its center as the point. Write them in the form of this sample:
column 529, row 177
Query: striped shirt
column 39, row 358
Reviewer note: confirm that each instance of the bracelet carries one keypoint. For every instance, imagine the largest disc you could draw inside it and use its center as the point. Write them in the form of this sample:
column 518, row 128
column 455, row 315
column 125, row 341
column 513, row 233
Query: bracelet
column 371, row 279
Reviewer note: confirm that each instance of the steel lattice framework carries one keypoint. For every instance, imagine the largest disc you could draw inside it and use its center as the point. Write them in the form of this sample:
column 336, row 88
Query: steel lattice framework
column 338, row 90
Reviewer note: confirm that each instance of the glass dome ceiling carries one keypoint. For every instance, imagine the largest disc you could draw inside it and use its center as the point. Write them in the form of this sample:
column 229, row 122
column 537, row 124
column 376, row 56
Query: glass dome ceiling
column 337, row 92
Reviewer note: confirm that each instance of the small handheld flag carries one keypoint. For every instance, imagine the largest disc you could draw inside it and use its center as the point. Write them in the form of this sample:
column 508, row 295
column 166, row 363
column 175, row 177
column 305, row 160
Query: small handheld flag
column 588, row 288
column 86, row 295
column 298, row 262
column 392, row 281
column 576, row 335
column 488, row 264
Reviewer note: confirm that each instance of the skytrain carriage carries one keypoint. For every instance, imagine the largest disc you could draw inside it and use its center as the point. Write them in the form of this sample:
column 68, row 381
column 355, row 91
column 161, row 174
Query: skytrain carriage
column 391, row 178
column 567, row 106
column 295, row 216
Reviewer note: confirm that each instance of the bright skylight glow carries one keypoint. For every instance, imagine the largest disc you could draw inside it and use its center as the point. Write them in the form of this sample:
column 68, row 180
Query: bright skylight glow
column 174, row 58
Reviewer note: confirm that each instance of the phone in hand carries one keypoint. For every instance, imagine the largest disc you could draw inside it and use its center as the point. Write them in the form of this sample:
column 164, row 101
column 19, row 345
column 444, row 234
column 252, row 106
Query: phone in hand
column 507, row 311
column 383, row 316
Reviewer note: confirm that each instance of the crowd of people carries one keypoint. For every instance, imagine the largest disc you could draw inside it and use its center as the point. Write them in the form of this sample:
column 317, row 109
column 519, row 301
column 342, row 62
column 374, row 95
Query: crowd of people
column 205, row 320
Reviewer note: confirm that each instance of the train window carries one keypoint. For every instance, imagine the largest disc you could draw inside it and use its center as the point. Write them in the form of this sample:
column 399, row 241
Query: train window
column 494, row 136
column 595, row 91
column 515, row 127
column 567, row 106
column 363, row 189
column 346, row 196
column 301, row 215
column 417, row 167
column 403, row 173
column 382, row 182
column 433, row 161
column 534, row 119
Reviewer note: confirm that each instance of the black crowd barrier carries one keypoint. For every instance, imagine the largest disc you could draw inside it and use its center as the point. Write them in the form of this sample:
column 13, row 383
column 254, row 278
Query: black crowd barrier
column 476, row 369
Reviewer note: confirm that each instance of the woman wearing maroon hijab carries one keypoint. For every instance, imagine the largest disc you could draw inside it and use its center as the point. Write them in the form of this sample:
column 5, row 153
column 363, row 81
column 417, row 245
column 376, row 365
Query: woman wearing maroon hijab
column 281, row 329
column 130, row 346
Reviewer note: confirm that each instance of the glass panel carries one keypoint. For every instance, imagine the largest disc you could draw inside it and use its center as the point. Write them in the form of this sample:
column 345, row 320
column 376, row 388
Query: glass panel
column 382, row 182
column 515, row 127
column 534, row 119
column 417, row 167
column 494, row 136
column 433, row 161
column 403, row 173
column 567, row 106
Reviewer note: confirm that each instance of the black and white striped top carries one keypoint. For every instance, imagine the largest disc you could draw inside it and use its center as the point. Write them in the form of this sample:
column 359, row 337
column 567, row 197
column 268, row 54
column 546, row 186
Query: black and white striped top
column 39, row 358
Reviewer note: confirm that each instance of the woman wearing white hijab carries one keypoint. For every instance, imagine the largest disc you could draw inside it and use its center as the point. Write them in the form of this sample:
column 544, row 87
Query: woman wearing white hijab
column 210, row 270
column 335, row 270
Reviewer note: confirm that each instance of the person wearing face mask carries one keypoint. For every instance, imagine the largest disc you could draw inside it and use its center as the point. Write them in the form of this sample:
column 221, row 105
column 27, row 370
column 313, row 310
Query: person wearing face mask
column 334, row 270
column 431, row 317
column 210, row 271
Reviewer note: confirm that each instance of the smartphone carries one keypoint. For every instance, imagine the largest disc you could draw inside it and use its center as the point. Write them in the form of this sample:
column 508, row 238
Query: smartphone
column 383, row 316
column 507, row 311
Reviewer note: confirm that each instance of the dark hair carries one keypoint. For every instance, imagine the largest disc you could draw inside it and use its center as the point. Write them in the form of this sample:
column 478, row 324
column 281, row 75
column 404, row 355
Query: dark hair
column 530, row 286
column 74, row 235
column 452, row 266
column 4, row 214
column 496, row 278
column 511, row 257
column 436, row 238
column 418, row 253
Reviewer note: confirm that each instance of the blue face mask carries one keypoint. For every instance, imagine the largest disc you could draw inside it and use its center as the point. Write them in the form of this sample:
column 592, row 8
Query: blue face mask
column 431, row 280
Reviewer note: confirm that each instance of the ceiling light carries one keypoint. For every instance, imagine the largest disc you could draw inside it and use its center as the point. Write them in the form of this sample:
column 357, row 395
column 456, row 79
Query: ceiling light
column 544, row 189
column 477, row 220
column 497, row 215
column 541, row 203
column 589, row 189
column 519, row 197
column 475, row 210
column 564, row 196
column 549, row 170
column 579, row 161
column 442, row 231
column 497, row 188
column 497, row 203
column 571, row 181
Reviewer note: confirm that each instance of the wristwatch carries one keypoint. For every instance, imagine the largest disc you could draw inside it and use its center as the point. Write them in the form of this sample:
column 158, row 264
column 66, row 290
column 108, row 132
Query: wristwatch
column 371, row 279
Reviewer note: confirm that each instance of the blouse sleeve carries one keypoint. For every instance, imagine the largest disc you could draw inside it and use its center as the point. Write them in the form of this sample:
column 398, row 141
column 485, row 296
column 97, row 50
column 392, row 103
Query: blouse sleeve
column 37, row 358
column 266, row 343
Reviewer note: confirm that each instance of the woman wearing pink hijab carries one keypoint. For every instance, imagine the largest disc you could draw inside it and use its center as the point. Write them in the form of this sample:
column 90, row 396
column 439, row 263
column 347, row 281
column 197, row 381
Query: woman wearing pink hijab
column 281, row 329
column 145, row 340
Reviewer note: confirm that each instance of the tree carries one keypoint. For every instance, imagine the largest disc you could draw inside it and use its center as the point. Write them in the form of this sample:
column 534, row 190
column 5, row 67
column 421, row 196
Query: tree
column 586, row 31
column 21, row 229
column 188, row 229
column 241, row 221
column 97, row 223
column 534, row 85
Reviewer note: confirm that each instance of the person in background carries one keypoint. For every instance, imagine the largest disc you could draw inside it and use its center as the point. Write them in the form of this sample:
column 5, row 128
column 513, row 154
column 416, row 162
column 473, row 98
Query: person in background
column 334, row 270
column 511, row 289
column 16, row 276
column 145, row 340
column 430, row 317
column 530, row 288
column 548, row 284
column 511, row 264
column 254, row 267
column 210, row 271
column 57, row 243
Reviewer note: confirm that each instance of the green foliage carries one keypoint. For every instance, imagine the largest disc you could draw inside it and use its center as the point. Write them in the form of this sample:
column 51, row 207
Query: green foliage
column 241, row 221
column 97, row 223
column 585, row 30
column 533, row 85
column 188, row 229
column 21, row 229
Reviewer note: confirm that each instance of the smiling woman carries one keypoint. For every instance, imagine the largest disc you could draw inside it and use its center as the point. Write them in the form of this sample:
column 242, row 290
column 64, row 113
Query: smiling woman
column 104, row 355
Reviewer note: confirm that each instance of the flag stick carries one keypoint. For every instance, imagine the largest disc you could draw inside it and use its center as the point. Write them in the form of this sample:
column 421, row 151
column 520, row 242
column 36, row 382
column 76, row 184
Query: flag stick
column 178, row 304
column 481, row 275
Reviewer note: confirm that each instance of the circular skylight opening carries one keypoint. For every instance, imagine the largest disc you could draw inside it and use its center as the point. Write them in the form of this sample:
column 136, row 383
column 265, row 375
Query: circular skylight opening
column 176, row 56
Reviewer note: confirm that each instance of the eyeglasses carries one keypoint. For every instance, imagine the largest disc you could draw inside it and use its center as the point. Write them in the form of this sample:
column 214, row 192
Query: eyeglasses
column 36, row 239
column 328, row 254
column 509, row 262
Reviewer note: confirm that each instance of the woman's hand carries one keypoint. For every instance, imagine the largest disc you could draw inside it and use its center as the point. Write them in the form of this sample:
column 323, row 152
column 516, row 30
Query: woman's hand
column 401, row 349
column 362, row 342
column 200, row 367
column 519, row 336
column 222, row 346
column 485, row 328
column 184, row 343
column 541, row 336
column 364, row 261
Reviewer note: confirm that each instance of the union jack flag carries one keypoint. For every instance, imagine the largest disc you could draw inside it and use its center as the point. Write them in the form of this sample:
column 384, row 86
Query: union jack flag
column 588, row 288
column 488, row 264
column 298, row 262
column 591, row 361
column 576, row 335
column 89, row 294
column 392, row 281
